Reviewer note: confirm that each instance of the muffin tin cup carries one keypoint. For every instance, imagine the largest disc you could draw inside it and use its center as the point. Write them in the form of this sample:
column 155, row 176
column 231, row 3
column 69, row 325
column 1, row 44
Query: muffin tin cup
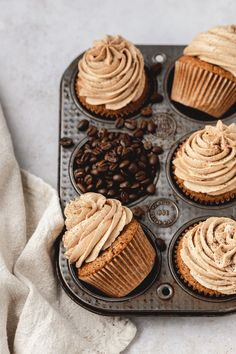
column 174, row 268
column 72, row 178
column 191, row 199
column 166, row 211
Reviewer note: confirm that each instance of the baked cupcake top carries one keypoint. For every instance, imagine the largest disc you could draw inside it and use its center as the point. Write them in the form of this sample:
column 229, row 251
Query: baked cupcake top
column 209, row 251
column 206, row 161
column 93, row 223
column 111, row 73
column 216, row 46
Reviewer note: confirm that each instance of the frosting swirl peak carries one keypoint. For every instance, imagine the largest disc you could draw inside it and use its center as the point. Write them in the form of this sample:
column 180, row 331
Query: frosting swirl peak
column 93, row 223
column 206, row 161
column 111, row 73
column 216, row 46
column 209, row 251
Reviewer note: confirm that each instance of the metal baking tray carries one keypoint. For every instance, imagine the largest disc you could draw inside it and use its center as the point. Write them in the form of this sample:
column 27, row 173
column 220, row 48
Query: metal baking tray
column 168, row 211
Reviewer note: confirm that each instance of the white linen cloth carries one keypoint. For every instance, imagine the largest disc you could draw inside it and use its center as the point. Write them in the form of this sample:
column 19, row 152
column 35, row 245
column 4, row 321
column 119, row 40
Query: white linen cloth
column 36, row 316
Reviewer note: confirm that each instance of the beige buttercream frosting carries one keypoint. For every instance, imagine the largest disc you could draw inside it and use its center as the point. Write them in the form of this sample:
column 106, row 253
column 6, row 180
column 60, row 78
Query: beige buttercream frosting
column 209, row 251
column 111, row 73
column 206, row 161
column 216, row 46
column 93, row 223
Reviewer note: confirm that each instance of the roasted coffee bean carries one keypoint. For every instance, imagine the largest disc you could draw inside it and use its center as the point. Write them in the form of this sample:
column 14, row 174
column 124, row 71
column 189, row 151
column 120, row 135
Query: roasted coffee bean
column 156, row 68
column 124, row 197
column 151, row 188
column 124, row 185
column 88, row 179
column 133, row 168
column 113, row 166
column 147, row 146
column 79, row 172
column 151, row 127
column 145, row 181
column 138, row 133
column 157, row 150
column 102, row 133
column 135, row 186
column 83, row 125
column 153, row 160
column 143, row 124
column 142, row 165
column 118, row 178
column 81, row 187
column 106, row 146
column 99, row 183
column 146, row 111
column 130, row 124
column 66, row 142
column 124, row 164
column 111, row 193
column 138, row 212
column 94, row 172
column 119, row 123
column 156, row 98
column 90, row 187
column 160, row 244
column 140, row 176
column 102, row 191
column 92, row 131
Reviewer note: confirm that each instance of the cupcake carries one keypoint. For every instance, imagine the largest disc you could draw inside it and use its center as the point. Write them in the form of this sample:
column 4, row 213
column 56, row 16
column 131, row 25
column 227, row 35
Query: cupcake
column 205, row 76
column 107, row 246
column 206, row 256
column 111, row 81
column 204, row 166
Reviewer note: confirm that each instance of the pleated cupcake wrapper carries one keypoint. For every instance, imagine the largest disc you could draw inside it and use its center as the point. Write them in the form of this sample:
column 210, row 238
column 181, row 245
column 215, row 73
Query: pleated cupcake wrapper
column 201, row 198
column 126, row 270
column 185, row 281
column 125, row 112
column 202, row 89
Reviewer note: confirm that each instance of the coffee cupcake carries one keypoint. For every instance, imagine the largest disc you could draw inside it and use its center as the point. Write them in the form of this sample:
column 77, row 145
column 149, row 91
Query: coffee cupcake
column 111, row 81
column 205, row 76
column 206, row 256
column 107, row 246
column 204, row 166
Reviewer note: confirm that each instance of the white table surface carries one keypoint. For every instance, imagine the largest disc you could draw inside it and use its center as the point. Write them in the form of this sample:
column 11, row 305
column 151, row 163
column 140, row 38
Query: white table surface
column 38, row 39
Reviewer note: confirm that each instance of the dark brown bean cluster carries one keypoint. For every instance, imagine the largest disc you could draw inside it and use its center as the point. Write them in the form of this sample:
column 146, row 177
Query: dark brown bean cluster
column 139, row 128
column 116, row 165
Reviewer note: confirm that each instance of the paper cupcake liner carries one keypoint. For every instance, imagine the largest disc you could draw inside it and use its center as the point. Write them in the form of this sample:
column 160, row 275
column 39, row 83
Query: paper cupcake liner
column 202, row 88
column 201, row 198
column 126, row 270
column 188, row 280
column 125, row 112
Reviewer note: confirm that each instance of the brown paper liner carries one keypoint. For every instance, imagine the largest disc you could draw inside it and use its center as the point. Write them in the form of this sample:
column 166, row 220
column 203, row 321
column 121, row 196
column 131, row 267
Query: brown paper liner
column 203, row 86
column 184, row 272
column 201, row 198
column 131, row 108
column 124, row 272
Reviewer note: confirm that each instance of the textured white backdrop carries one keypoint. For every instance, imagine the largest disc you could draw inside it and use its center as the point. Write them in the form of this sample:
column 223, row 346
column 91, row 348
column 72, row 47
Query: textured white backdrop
column 38, row 39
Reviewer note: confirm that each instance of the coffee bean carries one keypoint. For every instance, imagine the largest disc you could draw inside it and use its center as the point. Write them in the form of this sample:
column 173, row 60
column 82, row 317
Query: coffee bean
column 138, row 133
column 130, row 124
column 124, row 184
column 102, row 191
column 111, row 193
column 140, row 176
column 147, row 146
column 99, row 183
column 146, row 111
column 90, row 187
column 66, row 142
column 138, row 212
column 118, row 178
column 79, row 172
column 151, row 189
column 160, row 244
column 124, row 164
column 119, row 123
column 153, row 160
column 102, row 133
column 92, row 131
column 157, row 149
column 135, row 186
column 83, row 125
column 81, row 187
column 124, row 197
column 88, row 179
column 151, row 127
column 133, row 168
column 156, row 68
column 143, row 124
column 156, row 98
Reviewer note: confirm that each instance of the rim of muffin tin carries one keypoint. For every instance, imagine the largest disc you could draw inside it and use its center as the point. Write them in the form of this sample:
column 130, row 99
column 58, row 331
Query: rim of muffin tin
column 191, row 112
column 71, row 170
column 153, row 86
column 177, row 189
column 71, row 270
column 173, row 267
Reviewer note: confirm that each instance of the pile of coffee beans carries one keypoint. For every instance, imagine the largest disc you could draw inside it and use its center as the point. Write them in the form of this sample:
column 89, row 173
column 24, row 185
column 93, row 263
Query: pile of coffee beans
column 116, row 165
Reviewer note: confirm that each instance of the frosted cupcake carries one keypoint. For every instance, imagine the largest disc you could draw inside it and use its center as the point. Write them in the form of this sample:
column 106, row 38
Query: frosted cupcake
column 205, row 76
column 111, row 81
column 204, row 166
column 206, row 256
column 107, row 246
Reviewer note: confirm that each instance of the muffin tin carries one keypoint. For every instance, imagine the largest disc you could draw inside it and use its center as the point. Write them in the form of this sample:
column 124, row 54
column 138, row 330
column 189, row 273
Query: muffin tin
column 163, row 292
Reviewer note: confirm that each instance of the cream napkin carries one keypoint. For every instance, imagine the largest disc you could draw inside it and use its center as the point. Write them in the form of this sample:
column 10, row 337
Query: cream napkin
column 36, row 316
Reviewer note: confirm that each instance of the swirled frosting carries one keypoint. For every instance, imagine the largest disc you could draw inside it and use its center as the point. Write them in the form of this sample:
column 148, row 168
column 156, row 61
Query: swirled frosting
column 111, row 73
column 216, row 46
column 206, row 162
column 93, row 223
column 209, row 251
